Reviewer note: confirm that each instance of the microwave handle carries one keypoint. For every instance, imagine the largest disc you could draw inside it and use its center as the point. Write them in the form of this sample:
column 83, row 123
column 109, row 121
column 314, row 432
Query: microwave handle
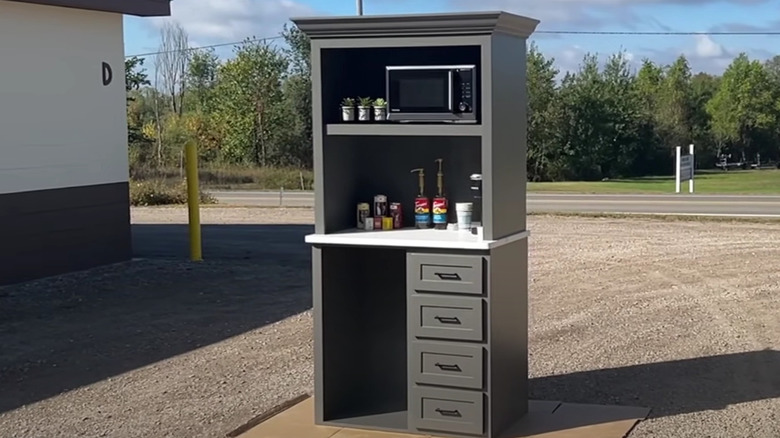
column 451, row 89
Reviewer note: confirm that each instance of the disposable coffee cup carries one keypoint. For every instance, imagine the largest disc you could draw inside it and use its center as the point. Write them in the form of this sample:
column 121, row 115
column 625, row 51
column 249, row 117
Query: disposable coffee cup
column 463, row 211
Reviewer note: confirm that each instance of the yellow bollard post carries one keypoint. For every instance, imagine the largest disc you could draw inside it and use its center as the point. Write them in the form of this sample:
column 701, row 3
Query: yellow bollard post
column 193, row 200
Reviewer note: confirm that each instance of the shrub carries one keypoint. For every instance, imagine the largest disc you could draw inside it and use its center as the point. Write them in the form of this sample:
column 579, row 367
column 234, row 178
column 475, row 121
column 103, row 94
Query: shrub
column 227, row 176
column 157, row 192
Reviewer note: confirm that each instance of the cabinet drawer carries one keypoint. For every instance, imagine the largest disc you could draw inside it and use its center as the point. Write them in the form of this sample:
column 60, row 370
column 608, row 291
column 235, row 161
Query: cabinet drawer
column 447, row 364
column 446, row 317
column 445, row 273
column 448, row 410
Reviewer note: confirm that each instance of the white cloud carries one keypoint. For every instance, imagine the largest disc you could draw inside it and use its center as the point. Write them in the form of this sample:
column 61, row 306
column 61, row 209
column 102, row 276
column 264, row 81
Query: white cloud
column 707, row 48
column 220, row 21
column 584, row 13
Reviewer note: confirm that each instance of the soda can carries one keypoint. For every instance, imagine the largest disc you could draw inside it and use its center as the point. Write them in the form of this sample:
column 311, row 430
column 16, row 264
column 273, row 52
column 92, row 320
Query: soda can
column 387, row 223
column 377, row 223
column 380, row 206
column 369, row 224
column 363, row 210
column 397, row 214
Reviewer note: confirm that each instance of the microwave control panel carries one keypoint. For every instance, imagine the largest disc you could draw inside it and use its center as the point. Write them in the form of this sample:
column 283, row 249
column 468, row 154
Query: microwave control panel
column 464, row 99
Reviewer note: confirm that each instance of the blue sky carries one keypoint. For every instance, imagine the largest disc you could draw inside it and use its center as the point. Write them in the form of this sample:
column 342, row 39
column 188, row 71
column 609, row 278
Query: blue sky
column 224, row 21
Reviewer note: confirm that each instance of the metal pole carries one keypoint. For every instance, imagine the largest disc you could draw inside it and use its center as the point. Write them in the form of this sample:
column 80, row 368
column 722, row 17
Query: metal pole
column 359, row 7
column 677, row 169
column 193, row 198
column 693, row 169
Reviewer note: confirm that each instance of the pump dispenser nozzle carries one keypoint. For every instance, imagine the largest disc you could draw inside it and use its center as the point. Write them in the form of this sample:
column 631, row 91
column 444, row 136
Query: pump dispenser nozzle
column 440, row 202
column 439, row 180
column 421, row 175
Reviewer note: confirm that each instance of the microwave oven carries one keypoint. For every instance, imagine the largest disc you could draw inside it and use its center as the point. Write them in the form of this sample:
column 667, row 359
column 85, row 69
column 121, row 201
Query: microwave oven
column 431, row 93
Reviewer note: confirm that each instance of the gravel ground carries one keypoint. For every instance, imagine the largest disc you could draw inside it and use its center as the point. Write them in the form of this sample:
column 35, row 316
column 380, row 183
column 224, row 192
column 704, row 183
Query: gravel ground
column 678, row 316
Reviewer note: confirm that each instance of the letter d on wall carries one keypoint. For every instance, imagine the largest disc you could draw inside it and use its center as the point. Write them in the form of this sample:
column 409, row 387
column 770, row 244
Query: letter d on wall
column 108, row 74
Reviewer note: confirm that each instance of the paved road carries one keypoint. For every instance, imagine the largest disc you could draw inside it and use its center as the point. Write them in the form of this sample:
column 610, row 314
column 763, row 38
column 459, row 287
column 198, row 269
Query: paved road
column 686, row 204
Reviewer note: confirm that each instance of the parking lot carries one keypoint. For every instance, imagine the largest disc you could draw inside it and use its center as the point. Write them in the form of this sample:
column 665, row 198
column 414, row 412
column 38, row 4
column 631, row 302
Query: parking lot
column 677, row 316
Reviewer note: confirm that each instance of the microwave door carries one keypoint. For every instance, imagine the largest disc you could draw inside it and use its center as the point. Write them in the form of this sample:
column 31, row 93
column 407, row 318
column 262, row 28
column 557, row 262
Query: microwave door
column 419, row 94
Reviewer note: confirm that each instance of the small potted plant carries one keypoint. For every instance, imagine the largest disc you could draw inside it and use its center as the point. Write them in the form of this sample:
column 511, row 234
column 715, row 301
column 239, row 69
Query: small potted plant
column 364, row 109
column 348, row 109
column 380, row 109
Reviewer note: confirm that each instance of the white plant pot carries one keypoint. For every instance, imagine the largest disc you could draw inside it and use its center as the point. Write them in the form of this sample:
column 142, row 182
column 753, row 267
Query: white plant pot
column 380, row 113
column 364, row 113
column 348, row 113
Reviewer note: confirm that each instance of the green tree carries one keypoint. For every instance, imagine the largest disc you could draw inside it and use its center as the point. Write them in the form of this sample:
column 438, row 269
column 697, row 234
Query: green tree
column 135, row 78
column 675, row 105
column 542, row 115
column 703, row 88
column 297, row 144
column 744, row 109
column 201, row 77
column 249, row 103
column 624, row 137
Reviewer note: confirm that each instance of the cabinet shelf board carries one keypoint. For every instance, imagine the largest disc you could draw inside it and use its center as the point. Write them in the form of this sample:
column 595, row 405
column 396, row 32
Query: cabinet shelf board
column 412, row 238
column 405, row 129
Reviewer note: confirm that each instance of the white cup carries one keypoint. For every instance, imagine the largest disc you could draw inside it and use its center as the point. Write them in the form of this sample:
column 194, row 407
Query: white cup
column 463, row 211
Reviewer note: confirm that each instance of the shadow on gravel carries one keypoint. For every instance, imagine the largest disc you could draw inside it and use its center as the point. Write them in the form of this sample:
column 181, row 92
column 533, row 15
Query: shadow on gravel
column 61, row 333
column 671, row 388
column 223, row 241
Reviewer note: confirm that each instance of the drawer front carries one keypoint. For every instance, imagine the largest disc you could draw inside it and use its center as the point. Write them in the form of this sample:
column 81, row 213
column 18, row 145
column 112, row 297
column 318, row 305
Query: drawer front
column 448, row 410
column 445, row 273
column 447, row 364
column 446, row 317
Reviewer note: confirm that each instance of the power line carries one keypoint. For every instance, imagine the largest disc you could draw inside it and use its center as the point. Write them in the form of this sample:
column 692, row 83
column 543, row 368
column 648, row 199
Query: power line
column 210, row 46
column 631, row 32
column 548, row 32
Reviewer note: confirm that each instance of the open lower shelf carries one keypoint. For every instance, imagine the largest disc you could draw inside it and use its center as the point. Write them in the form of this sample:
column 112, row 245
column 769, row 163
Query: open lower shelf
column 408, row 129
column 411, row 238
column 395, row 421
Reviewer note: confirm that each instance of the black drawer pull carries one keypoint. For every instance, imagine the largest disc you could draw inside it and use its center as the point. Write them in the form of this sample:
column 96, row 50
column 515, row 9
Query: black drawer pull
column 448, row 276
column 448, row 413
column 446, row 367
column 447, row 319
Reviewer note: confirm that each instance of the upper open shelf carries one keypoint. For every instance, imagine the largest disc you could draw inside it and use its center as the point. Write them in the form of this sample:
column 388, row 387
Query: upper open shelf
column 405, row 129
column 361, row 72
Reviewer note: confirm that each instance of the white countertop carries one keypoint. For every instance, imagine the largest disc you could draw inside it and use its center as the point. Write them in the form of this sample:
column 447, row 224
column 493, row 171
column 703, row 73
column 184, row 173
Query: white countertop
column 412, row 238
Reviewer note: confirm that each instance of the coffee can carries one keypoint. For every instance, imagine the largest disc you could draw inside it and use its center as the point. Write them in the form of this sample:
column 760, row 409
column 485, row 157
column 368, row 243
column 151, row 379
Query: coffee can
column 363, row 210
column 397, row 214
column 380, row 206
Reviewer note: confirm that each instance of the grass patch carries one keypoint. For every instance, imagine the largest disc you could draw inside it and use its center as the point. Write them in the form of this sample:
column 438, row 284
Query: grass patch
column 161, row 192
column 662, row 217
column 740, row 182
column 234, row 177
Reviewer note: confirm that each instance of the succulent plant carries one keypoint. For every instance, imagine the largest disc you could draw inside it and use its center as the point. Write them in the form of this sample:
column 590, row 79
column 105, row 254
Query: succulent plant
column 365, row 101
column 348, row 101
column 379, row 102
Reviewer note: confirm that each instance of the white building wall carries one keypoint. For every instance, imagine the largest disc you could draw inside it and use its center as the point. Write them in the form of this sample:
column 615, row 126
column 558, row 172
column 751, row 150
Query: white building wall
column 59, row 125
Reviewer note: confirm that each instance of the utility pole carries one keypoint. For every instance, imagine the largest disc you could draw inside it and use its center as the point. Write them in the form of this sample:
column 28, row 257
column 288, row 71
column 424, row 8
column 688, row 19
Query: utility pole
column 359, row 7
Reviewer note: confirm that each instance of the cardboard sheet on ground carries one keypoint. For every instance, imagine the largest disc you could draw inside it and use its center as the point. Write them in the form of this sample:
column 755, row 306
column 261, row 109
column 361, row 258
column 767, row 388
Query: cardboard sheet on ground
column 545, row 419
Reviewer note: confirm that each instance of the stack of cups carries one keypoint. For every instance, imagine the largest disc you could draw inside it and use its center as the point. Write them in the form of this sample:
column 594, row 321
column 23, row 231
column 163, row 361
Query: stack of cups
column 463, row 210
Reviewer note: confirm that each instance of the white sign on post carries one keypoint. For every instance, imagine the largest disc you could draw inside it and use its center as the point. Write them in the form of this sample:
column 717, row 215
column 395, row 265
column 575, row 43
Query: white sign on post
column 683, row 169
